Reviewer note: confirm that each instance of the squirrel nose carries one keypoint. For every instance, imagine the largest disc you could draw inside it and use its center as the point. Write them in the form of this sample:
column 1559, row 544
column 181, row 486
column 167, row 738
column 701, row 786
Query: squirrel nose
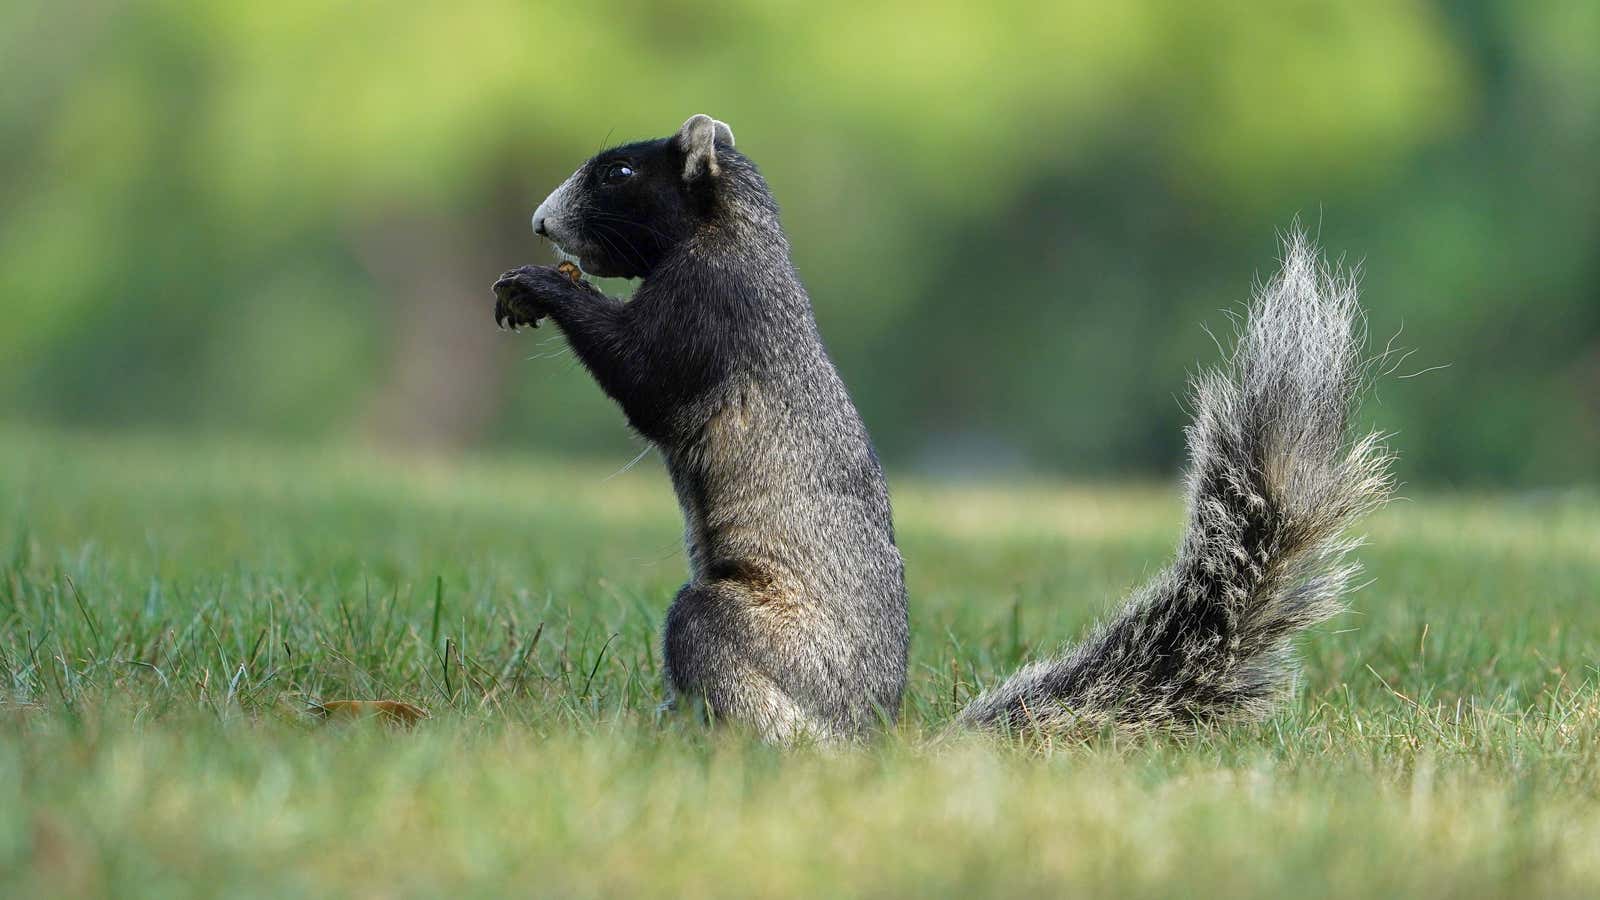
column 538, row 227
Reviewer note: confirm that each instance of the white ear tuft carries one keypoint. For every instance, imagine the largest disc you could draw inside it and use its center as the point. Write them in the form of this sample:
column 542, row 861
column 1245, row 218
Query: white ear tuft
column 698, row 139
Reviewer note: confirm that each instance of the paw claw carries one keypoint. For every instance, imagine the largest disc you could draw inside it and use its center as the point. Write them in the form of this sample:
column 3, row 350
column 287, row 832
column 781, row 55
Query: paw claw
column 521, row 294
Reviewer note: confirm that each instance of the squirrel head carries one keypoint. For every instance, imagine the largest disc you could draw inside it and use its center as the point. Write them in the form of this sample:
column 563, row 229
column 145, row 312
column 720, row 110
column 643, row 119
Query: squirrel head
column 628, row 207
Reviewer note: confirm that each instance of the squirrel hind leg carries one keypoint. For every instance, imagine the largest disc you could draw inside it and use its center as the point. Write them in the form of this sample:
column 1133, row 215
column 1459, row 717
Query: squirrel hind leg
column 713, row 667
column 746, row 700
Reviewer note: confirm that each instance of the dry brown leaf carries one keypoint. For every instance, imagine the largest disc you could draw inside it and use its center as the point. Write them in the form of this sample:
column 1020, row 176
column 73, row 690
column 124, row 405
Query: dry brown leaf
column 397, row 712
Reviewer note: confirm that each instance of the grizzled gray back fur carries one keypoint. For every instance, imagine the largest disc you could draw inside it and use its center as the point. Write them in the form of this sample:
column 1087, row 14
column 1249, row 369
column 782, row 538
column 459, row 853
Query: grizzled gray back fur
column 1274, row 480
column 794, row 620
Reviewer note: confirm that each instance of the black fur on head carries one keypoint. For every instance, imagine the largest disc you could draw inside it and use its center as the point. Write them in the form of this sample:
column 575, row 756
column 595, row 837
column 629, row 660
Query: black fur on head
column 628, row 207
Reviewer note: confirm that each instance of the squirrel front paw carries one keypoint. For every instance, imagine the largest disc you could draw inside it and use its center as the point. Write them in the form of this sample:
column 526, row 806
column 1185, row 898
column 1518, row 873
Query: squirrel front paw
column 523, row 295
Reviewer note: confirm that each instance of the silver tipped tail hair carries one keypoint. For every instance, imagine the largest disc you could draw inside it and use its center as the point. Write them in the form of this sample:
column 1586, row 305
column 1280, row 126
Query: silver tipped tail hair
column 1275, row 478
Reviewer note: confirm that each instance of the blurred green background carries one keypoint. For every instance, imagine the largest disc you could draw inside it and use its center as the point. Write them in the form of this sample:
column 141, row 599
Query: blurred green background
column 280, row 220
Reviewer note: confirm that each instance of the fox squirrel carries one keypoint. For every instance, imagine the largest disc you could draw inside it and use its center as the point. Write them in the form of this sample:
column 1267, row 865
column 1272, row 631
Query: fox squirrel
column 794, row 617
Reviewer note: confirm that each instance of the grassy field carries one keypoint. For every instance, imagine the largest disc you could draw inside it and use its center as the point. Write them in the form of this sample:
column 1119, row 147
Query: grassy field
column 169, row 611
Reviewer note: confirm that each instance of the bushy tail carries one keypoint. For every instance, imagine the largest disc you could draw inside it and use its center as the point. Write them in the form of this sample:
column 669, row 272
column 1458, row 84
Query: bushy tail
column 1274, row 480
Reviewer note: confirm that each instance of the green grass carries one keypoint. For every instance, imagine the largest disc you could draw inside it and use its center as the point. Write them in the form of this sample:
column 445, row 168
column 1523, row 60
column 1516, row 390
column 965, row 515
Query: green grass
column 168, row 611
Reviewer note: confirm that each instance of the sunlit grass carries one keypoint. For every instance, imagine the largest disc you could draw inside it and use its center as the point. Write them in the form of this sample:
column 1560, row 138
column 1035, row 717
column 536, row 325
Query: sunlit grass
column 168, row 611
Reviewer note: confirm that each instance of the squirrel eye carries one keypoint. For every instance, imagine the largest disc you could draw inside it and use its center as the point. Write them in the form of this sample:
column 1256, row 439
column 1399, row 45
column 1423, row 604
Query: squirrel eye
column 617, row 173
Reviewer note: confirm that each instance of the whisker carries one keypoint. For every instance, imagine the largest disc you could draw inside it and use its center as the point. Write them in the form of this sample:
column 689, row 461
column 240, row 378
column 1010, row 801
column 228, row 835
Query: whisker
column 608, row 242
column 623, row 219
column 624, row 239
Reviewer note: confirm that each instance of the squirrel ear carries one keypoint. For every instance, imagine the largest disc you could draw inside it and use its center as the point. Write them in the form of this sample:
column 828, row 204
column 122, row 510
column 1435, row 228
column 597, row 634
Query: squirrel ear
column 698, row 139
